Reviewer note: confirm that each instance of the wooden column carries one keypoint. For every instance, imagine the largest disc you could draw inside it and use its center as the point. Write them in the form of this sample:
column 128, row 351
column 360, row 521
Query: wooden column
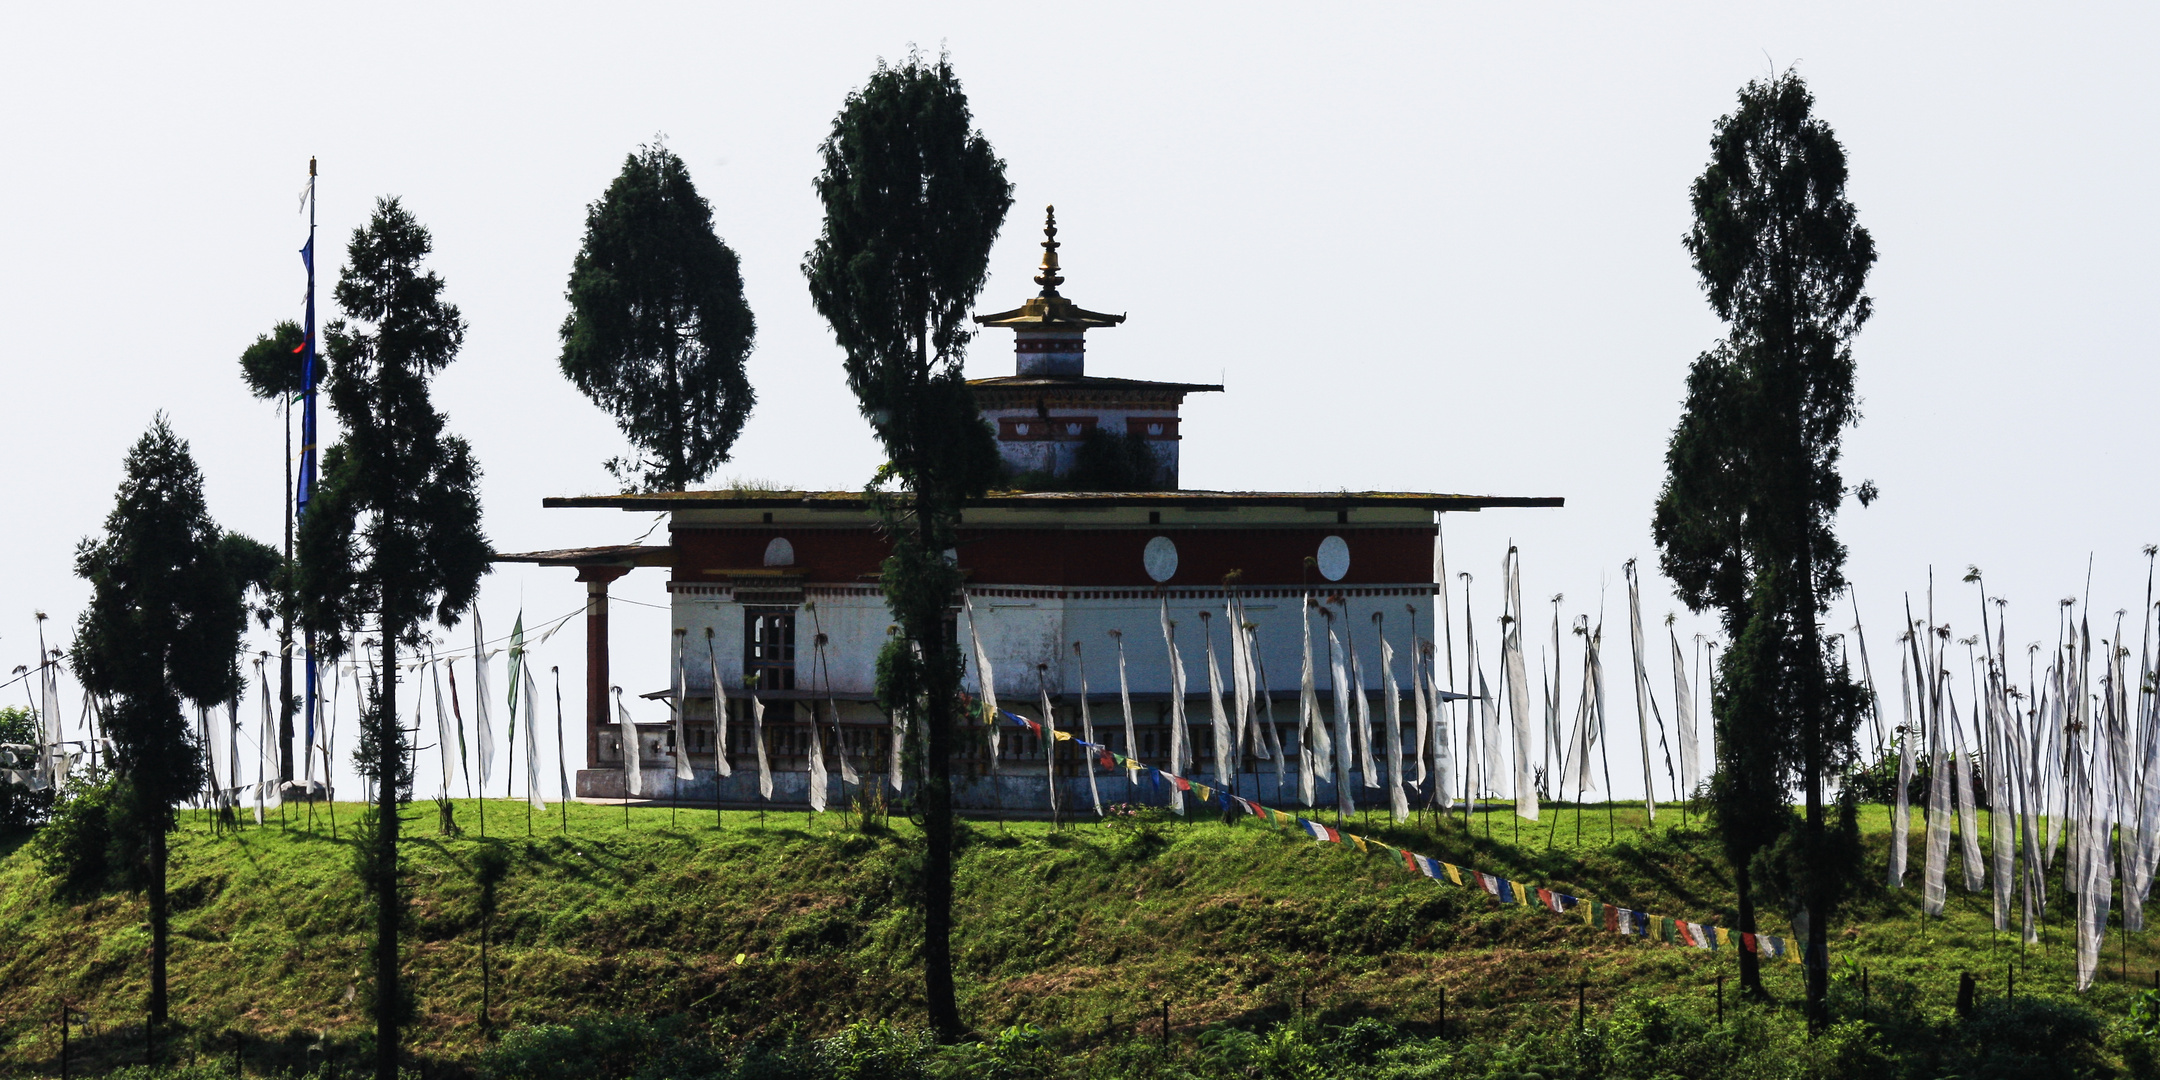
column 596, row 578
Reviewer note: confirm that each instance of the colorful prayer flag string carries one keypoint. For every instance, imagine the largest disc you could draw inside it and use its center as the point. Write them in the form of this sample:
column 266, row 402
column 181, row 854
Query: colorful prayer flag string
column 1596, row 913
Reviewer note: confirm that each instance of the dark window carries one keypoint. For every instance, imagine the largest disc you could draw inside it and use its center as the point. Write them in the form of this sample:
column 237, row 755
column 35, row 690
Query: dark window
column 769, row 648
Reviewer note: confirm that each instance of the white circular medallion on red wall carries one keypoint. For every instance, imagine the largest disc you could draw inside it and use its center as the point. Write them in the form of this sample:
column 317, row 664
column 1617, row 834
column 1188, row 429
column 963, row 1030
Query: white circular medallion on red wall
column 1334, row 558
column 779, row 552
column 1160, row 558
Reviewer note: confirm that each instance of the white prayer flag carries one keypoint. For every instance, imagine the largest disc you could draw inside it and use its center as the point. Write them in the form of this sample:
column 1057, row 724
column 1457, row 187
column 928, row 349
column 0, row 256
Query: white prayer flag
column 1339, row 683
column 1518, row 688
column 1645, row 706
column 757, row 735
column 1225, row 750
column 1179, row 735
column 632, row 752
column 1309, row 723
column 1684, row 718
column 720, row 709
column 533, row 797
column 820, row 781
column 1087, row 730
column 483, row 725
column 1132, row 737
column 680, row 707
column 1398, row 803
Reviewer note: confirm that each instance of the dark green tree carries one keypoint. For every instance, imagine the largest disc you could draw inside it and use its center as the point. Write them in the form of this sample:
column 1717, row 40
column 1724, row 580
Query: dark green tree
column 274, row 370
column 392, row 536
column 914, row 197
column 1745, row 521
column 658, row 328
column 163, row 626
column 272, row 367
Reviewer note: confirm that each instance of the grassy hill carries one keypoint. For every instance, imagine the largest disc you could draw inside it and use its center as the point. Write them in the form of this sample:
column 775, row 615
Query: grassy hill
column 779, row 929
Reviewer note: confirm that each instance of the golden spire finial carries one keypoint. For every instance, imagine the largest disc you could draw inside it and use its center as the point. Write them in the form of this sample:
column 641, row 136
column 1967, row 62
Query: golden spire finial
column 1049, row 278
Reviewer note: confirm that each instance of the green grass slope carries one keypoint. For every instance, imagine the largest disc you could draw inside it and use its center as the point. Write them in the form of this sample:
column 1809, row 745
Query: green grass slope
column 789, row 923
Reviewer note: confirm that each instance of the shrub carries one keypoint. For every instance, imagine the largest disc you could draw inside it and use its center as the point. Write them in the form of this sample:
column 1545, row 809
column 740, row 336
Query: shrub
column 90, row 844
column 873, row 1050
column 609, row 1048
column 1016, row 1053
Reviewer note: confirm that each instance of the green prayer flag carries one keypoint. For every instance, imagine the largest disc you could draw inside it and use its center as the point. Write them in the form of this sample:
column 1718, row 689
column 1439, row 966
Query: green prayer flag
column 517, row 667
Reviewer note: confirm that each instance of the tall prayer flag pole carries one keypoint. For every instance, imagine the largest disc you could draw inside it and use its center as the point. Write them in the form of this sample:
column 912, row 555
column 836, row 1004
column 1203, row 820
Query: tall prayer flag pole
column 305, row 489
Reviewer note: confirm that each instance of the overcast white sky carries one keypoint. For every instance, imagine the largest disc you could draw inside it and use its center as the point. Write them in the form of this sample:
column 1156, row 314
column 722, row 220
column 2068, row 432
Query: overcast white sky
column 1427, row 247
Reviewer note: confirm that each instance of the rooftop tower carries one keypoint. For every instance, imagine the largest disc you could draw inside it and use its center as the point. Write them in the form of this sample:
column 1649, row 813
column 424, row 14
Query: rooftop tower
column 1051, row 407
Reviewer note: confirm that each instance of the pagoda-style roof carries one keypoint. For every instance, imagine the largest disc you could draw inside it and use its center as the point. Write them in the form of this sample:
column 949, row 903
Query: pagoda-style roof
column 1089, row 384
column 605, row 555
column 1048, row 310
column 1049, row 313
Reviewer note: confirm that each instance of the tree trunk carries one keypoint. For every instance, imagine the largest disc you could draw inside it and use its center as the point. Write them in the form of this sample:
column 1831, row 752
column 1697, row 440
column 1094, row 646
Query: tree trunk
column 678, row 465
column 938, row 820
column 1815, row 960
column 1750, row 964
column 386, row 866
column 160, row 942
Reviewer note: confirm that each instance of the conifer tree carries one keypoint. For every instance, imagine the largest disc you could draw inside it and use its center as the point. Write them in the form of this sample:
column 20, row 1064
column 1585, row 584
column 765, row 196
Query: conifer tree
column 1745, row 519
column 658, row 328
column 914, row 197
column 392, row 537
column 166, row 614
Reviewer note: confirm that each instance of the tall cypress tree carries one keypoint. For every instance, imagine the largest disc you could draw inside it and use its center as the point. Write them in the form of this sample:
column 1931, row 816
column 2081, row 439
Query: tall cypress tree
column 392, row 536
column 273, row 370
column 166, row 614
column 658, row 328
column 1745, row 521
column 914, row 197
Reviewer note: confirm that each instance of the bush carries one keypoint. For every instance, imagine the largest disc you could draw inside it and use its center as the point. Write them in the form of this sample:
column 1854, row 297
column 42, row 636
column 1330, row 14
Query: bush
column 1016, row 1053
column 2029, row 1037
column 610, row 1048
column 90, row 843
column 873, row 1050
